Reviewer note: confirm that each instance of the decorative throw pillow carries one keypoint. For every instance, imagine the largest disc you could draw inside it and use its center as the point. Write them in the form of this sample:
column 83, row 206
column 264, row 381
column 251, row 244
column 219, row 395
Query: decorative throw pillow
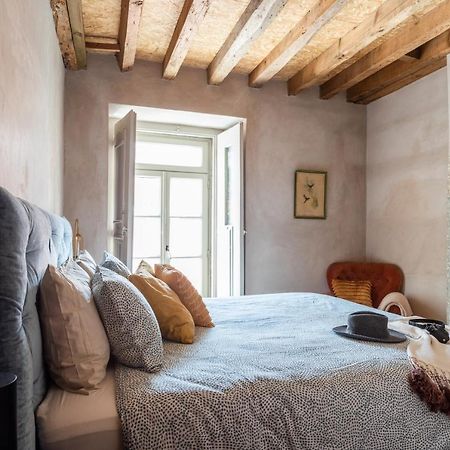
column 355, row 291
column 87, row 262
column 76, row 347
column 186, row 292
column 129, row 321
column 174, row 319
column 145, row 268
column 115, row 264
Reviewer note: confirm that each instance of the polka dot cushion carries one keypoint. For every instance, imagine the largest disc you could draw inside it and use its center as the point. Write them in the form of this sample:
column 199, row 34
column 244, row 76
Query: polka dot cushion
column 130, row 323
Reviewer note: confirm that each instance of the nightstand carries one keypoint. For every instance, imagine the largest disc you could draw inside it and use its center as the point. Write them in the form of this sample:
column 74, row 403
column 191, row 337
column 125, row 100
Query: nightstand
column 8, row 411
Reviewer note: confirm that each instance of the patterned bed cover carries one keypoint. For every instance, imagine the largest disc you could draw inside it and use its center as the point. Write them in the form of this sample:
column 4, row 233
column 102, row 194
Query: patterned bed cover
column 272, row 375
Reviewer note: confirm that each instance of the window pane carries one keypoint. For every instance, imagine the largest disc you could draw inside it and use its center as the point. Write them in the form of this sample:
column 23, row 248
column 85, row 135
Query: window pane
column 186, row 197
column 192, row 268
column 147, row 196
column 152, row 261
column 147, row 237
column 185, row 237
column 169, row 154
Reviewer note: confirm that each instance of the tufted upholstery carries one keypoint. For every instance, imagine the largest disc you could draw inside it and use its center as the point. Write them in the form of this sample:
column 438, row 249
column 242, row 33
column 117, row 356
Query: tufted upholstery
column 30, row 239
column 385, row 278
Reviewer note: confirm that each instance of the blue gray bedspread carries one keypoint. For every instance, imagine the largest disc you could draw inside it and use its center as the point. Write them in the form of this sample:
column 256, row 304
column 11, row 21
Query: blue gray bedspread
column 272, row 375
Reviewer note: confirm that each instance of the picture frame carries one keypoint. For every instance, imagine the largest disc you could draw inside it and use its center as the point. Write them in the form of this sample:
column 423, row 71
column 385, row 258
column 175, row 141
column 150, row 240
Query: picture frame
column 310, row 199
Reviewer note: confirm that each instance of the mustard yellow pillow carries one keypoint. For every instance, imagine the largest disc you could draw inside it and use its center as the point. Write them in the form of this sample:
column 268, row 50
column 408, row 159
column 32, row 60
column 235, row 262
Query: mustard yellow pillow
column 355, row 291
column 174, row 319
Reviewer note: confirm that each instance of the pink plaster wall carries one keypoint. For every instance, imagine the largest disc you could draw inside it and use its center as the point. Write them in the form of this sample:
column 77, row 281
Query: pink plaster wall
column 31, row 103
column 407, row 172
column 283, row 134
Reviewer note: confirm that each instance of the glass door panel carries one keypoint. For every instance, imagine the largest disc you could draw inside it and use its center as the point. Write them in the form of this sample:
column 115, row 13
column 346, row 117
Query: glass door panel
column 186, row 196
column 147, row 242
column 188, row 230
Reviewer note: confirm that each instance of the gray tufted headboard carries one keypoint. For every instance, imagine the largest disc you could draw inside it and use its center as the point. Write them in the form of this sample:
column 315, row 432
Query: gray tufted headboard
column 30, row 239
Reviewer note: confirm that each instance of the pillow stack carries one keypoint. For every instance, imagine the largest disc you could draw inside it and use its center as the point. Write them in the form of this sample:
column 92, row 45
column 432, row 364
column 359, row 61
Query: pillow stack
column 89, row 311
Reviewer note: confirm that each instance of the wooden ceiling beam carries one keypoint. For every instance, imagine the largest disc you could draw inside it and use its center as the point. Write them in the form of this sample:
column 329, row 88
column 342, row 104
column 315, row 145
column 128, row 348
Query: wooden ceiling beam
column 410, row 78
column 130, row 18
column 191, row 17
column 76, row 24
column 258, row 15
column 401, row 73
column 64, row 33
column 318, row 16
column 358, row 42
column 102, row 47
column 410, row 37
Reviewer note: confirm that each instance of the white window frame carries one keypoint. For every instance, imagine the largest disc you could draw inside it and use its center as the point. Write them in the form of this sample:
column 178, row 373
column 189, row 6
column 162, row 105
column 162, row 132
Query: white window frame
column 205, row 144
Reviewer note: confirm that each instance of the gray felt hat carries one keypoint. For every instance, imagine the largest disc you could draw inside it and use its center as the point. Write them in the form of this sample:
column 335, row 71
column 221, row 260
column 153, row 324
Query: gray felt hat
column 369, row 326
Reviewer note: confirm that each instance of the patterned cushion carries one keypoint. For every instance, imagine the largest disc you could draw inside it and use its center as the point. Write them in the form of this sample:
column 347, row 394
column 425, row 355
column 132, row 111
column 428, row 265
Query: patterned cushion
column 175, row 322
column 355, row 291
column 186, row 292
column 129, row 321
column 87, row 262
column 76, row 347
column 115, row 264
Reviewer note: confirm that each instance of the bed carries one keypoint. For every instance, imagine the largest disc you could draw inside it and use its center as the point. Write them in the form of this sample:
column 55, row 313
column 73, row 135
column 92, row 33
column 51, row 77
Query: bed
column 271, row 374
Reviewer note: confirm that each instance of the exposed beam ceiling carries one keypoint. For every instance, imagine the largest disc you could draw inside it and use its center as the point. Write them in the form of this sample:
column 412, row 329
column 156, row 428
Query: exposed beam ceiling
column 416, row 33
column 191, row 16
column 358, row 42
column 401, row 73
column 130, row 18
column 317, row 17
column 367, row 47
column 256, row 18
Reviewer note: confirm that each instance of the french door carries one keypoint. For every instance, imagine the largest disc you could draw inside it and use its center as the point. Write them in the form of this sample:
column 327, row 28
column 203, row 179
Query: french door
column 171, row 222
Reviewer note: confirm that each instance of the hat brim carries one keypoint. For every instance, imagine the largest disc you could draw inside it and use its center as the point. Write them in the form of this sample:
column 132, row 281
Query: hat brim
column 394, row 336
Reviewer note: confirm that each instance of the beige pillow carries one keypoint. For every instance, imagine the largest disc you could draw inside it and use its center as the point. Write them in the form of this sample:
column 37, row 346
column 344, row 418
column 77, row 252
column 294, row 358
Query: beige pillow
column 76, row 347
column 186, row 292
column 355, row 291
column 174, row 320
column 145, row 268
column 87, row 263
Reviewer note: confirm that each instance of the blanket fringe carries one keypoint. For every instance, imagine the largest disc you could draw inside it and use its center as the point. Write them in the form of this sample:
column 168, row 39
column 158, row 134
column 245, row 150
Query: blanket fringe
column 436, row 396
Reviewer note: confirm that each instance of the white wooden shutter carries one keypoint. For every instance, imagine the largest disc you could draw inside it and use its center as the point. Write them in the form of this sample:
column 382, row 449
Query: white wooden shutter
column 230, row 213
column 124, row 168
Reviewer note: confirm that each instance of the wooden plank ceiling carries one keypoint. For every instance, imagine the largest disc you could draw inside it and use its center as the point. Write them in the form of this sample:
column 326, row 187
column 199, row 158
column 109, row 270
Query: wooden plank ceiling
column 368, row 48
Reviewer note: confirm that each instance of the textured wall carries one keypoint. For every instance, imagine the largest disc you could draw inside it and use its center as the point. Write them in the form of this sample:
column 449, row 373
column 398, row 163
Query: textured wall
column 407, row 159
column 283, row 134
column 31, row 103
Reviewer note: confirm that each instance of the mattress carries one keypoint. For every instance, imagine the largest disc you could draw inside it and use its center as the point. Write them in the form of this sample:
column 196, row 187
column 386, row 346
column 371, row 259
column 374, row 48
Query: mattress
column 67, row 421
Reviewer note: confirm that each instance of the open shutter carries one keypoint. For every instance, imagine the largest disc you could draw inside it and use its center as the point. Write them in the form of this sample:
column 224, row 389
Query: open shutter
column 124, row 168
column 230, row 217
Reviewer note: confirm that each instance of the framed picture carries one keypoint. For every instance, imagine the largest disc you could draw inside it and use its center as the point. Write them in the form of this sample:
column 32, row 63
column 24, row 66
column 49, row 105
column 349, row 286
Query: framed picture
column 310, row 194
